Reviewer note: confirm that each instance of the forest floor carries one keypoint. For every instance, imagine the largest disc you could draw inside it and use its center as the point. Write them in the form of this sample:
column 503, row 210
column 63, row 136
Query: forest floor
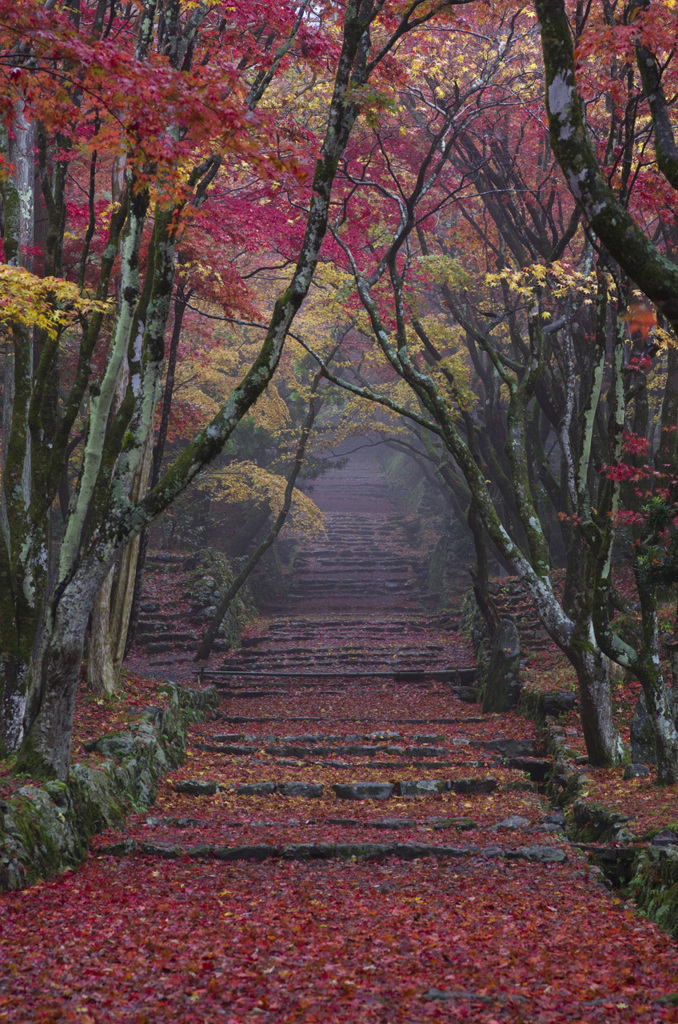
column 347, row 841
column 355, row 850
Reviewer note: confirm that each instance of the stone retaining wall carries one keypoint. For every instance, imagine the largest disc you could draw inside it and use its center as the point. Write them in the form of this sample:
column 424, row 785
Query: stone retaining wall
column 46, row 828
column 649, row 871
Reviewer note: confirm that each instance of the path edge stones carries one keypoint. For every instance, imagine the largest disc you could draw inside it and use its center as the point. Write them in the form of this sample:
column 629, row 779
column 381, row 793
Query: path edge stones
column 647, row 870
column 45, row 829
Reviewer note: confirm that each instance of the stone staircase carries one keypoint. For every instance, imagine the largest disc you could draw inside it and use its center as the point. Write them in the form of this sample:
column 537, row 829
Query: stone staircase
column 384, row 797
column 512, row 602
column 364, row 572
column 368, row 562
column 363, row 564
column 165, row 625
column 369, row 836
column 347, row 645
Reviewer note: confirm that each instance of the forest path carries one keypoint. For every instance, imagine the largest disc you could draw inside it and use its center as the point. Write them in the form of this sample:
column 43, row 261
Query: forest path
column 368, row 561
column 362, row 849
column 340, row 847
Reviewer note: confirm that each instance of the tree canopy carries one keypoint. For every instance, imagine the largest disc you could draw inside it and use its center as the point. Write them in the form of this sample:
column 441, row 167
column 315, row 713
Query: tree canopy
column 478, row 199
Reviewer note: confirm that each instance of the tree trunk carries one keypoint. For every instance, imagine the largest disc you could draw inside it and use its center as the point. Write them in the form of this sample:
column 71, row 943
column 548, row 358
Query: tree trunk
column 603, row 742
column 102, row 677
column 573, row 147
column 22, row 577
column 53, row 681
column 180, row 303
column 661, row 719
column 481, row 577
column 127, row 569
column 113, row 604
column 658, row 699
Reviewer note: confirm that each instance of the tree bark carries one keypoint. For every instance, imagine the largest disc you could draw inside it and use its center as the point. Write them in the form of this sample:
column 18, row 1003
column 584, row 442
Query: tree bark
column 603, row 743
column 112, row 607
column 102, row 675
column 180, row 304
column 608, row 218
column 481, row 578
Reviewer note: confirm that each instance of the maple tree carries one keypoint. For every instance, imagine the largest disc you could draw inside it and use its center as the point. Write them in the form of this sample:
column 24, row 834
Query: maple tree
column 642, row 29
column 185, row 109
column 637, row 37
column 552, row 365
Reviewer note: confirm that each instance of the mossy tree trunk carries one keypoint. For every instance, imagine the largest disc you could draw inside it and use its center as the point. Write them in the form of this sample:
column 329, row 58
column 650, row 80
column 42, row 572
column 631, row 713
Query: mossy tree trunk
column 610, row 221
column 112, row 609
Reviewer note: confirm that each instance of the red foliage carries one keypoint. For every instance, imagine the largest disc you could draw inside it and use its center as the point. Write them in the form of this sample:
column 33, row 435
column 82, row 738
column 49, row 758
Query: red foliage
column 194, row 943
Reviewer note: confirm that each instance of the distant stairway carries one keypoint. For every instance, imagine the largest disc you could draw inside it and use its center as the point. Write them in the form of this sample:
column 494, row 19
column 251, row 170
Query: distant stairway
column 363, row 565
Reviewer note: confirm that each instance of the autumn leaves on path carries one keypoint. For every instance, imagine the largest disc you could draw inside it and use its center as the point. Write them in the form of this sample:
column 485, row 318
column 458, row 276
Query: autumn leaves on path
column 349, row 841
column 357, row 850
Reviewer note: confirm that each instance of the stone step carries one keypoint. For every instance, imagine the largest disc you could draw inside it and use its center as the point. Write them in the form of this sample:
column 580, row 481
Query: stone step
column 289, row 626
column 319, row 851
column 269, row 662
column 334, row 584
column 323, row 750
column 220, row 677
column 367, row 790
column 165, row 558
column 387, row 588
column 323, row 649
column 158, row 624
column 148, row 639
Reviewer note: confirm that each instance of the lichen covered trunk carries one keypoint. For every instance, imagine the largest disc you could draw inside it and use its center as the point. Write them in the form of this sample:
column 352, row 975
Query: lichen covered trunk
column 102, row 677
column 661, row 719
column 610, row 221
column 603, row 743
column 53, row 682
column 659, row 700
column 113, row 604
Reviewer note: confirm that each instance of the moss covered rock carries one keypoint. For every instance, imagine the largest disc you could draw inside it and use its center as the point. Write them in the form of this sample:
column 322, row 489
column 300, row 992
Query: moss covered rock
column 44, row 829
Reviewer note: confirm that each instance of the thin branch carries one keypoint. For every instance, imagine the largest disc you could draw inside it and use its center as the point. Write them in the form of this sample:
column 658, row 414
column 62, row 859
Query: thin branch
column 367, row 393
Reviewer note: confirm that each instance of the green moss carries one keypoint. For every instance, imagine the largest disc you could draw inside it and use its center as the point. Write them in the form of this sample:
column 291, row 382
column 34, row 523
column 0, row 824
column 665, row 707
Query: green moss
column 45, row 828
column 31, row 764
column 539, row 704
column 43, row 832
column 655, row 888
column 592, row 823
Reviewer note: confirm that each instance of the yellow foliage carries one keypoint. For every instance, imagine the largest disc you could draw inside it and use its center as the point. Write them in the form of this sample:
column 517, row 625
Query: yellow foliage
column 561, row 281
column 444, row 270
column 210, row 380
column 48, row 303
column 245, row 481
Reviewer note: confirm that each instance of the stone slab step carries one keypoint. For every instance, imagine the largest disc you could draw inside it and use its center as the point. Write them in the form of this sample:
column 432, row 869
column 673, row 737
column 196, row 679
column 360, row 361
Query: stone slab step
column 536, row 854
column 440, row 673
column 343, row 791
